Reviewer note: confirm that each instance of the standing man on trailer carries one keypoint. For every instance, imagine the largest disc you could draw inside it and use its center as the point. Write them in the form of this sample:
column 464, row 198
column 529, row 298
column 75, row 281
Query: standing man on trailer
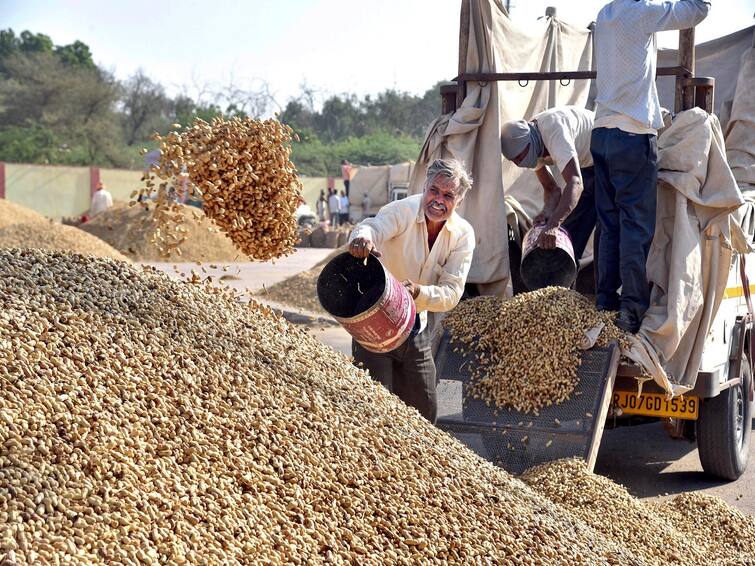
column 561, row 137
column 423, row 242
column 623, row 145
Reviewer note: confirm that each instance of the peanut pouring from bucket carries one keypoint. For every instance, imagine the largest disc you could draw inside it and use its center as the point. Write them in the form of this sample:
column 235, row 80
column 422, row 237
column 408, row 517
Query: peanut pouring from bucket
column 547, row 268
column 371, row 304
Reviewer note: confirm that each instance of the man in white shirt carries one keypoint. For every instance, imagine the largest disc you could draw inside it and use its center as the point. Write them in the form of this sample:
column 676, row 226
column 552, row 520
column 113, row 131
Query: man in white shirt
column 344, row 208
column 623, row 145
column 424, row 243
column 101, row 200
column 561, row 137
column 334, row 207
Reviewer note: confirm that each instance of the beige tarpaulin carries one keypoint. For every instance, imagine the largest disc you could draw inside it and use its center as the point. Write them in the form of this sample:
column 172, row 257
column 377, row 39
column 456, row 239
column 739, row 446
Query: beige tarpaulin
column 740, row 140
column 370, row 180
column 376, row 181
column 691, row 253
column 471, row 134
column 718, row 58
column 740, row 132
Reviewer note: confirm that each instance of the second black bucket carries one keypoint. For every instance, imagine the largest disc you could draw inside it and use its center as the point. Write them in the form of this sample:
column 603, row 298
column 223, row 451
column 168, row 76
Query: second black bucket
column 545, row 268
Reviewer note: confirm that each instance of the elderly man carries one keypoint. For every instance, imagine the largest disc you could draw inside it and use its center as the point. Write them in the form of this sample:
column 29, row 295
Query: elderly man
column 559, row 136
column 623, row 145
column 423, row 242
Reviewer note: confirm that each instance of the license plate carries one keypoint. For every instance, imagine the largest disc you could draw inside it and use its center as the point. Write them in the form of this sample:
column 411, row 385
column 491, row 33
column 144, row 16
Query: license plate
column 657, row 405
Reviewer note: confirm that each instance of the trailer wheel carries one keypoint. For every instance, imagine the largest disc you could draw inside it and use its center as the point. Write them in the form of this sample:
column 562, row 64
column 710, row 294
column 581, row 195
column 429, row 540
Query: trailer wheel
column 724, row 427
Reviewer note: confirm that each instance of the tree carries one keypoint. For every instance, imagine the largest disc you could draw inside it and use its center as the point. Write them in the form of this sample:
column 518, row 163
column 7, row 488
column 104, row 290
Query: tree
column 145, row 108
column 185, row 110
column 76, row 54
column 35, row 42
column 339, row 118
column 74, row 107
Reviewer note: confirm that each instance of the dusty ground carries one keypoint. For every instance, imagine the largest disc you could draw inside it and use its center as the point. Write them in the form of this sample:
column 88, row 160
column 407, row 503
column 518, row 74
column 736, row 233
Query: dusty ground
column 642, row 458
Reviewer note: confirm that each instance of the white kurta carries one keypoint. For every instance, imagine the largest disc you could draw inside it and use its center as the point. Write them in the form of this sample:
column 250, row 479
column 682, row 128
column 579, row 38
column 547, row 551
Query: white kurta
column 101, row 201
column 399, row 232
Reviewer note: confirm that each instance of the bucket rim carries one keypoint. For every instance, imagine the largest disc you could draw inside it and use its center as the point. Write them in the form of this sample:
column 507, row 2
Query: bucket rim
column 367, row 313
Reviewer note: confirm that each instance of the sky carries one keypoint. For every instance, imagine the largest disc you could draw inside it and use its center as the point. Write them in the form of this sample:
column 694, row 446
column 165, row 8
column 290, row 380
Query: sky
column 332, row 46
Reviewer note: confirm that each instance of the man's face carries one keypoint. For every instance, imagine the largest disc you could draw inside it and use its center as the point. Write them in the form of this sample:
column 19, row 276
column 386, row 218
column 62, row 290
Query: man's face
column 518, row 159
column 440, row 198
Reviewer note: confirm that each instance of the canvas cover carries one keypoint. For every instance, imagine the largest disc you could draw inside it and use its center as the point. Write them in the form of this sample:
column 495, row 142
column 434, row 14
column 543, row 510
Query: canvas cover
column 719, row 58
column 696, row 237
column 371, row 180
column 472, row 133
column 400, row 173
column 740, row 131
column 740, row 140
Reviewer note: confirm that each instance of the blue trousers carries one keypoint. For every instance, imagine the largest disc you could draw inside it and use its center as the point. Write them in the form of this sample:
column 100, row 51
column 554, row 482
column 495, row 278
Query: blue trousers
column 625, row 197
column 581, row 222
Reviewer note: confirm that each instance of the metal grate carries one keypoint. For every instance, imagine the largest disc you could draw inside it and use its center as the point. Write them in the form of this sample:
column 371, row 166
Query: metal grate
column 517, row 441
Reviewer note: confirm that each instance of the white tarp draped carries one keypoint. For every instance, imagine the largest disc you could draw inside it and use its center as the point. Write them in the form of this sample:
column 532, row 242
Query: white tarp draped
column 472, row 133
column 718, row 58
column 740, row 140
column 695, row 240
column 740, row 131
column 376, row 181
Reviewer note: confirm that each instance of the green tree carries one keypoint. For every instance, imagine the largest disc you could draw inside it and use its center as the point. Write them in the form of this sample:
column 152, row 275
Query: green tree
column 35, row 42
column 76, row 54
column 144, row 108
column 75, row 105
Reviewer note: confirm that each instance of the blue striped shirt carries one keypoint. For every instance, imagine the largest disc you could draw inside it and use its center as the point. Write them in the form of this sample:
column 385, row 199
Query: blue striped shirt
column 626, row 53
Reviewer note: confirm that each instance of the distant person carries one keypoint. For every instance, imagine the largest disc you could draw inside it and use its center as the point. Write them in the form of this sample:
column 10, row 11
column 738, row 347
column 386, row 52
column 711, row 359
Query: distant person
column 344, row 201
column 101, row 200
column 322, row 207
column 346, row 174
column 334, row 207
column 366, row 205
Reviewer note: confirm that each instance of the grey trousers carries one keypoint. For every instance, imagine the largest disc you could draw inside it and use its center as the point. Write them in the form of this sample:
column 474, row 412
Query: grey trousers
column 408, row 372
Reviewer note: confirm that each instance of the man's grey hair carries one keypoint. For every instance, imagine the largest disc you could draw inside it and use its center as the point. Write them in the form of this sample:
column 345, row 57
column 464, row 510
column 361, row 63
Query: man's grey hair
column 453, row 169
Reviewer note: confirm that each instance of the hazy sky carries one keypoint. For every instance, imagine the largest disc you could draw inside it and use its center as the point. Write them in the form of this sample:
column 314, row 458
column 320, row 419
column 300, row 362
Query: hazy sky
column 334, row 46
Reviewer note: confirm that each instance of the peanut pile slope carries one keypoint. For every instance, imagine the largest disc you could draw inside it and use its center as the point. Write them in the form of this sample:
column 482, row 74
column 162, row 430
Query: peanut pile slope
column 526, row 349
column 299, row 291
column 680, row 531
column 12, row 213
column 242, row 171
column 48, row 235
column 713, row 524
column 146, row 420
column 131, row 229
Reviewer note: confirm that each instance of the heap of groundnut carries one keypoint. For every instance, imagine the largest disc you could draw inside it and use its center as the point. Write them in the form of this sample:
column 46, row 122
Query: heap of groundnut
column 525, row 350
column 149, row 421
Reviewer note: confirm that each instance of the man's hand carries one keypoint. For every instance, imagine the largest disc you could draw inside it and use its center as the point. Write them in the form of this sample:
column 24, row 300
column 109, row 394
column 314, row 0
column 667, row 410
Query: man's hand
column 547, row 238
column 541, row 218
column 362, row 247
column 412, row 288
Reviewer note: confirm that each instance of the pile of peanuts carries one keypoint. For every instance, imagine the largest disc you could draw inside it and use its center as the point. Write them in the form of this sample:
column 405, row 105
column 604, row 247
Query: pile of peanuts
column 151, row 421
column 242, row 171
column 683, row 530
column 526, row 350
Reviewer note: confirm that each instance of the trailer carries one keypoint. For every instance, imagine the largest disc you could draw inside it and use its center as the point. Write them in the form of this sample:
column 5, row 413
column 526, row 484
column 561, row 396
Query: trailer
column 716, row 414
